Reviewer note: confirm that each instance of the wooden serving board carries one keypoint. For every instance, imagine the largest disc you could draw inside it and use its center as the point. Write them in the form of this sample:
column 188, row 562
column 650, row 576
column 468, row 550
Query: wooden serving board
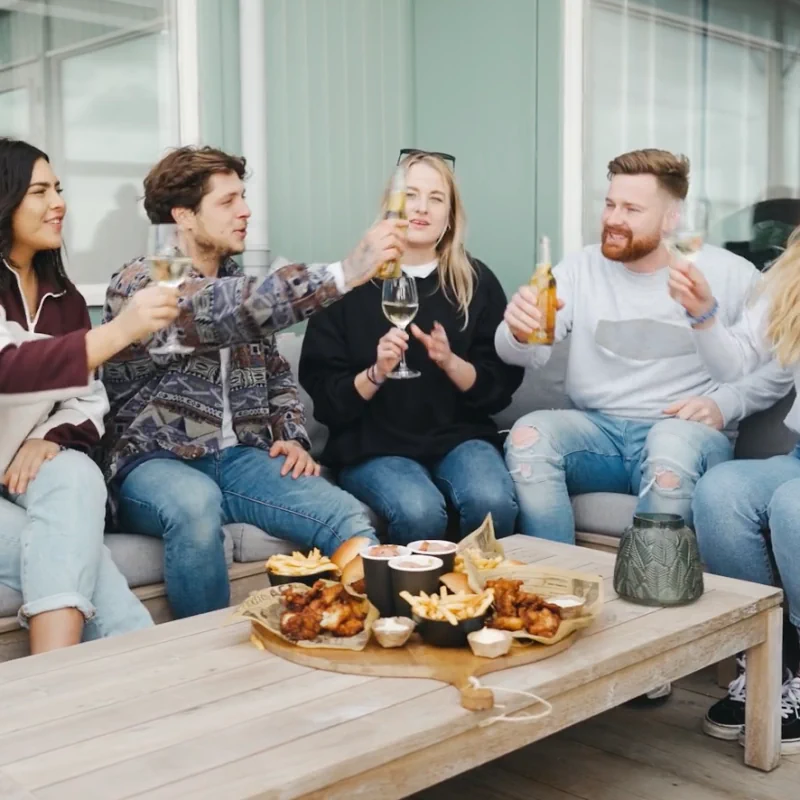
column 453, row 665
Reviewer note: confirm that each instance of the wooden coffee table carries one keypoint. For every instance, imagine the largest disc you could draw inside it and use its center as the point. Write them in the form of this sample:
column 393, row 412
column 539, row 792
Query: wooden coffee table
column 191, row 709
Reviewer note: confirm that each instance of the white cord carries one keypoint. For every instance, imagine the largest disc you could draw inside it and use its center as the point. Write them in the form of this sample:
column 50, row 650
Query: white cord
column 476, row 684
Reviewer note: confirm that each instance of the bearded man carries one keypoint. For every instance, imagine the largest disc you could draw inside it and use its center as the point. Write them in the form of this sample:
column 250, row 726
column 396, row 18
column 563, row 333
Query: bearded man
column 648, row 418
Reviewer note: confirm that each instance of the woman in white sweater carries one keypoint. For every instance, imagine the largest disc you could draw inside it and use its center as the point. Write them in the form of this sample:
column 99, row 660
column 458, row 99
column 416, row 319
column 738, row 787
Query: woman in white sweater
column 747, row 513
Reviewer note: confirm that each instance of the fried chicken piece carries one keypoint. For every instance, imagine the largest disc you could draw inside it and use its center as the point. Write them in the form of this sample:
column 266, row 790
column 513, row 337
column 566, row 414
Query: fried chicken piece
column 349, row 627
column 530, row 600
column 506, row 593
column 541, row 622
column 325, row 596
column 508, row 623
column 296, row 600
column 300, row 624
column 335, row 615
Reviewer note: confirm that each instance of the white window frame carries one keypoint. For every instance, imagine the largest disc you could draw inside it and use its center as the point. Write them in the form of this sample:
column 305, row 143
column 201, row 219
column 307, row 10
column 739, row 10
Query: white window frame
column 183, row 32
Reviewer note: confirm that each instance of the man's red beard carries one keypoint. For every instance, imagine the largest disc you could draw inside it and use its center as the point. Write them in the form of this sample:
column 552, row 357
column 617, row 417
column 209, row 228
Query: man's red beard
column 632, row 249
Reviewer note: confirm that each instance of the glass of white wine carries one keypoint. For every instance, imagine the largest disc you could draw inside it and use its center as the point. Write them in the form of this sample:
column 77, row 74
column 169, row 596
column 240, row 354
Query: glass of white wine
column 689, row 234
column 169, row 265
column 400, row 303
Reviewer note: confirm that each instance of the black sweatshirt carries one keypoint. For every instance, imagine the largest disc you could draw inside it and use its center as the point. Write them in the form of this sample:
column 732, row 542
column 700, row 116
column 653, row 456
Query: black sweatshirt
column 420, row 418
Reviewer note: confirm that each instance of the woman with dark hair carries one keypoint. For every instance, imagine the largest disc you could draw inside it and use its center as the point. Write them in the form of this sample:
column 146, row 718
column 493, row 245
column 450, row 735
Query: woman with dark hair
column 52, row 495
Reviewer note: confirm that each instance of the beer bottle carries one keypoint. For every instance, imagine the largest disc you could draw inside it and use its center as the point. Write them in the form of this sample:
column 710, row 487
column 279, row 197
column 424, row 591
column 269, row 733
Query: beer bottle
column 395, row 209
column 544, row 282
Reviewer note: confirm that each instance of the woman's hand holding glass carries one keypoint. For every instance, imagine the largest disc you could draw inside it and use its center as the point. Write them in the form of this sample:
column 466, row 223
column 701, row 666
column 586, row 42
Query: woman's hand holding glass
column 391, row 348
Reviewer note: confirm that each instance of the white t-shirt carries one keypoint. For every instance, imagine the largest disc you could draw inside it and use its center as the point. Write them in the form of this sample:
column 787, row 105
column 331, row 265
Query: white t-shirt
column 228, row 434
column 632, row 352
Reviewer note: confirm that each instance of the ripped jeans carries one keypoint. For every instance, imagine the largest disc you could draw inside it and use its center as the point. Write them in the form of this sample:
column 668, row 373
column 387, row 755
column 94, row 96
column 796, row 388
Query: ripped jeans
column 554, row 454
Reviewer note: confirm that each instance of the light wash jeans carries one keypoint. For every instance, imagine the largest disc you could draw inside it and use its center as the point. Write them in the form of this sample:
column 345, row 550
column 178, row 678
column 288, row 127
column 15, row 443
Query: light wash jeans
column 52, row 551
column 186, row 503
column 554, row 454
column 412, row 496
column 747, row 518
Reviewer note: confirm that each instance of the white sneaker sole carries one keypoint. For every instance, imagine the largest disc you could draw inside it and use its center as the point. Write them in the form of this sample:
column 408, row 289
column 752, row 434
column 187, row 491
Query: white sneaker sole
column 787, row 748
column 728, row 733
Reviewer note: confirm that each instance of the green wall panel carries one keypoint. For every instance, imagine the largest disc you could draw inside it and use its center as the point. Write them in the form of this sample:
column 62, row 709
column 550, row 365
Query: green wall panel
column 486, row 91
column 339, row 108
column 218, row 42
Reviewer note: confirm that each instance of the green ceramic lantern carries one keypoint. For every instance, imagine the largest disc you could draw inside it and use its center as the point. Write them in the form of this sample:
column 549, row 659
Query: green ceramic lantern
column 658, row 562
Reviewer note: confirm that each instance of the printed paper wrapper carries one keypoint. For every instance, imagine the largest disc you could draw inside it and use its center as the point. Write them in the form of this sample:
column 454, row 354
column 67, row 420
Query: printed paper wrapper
column 264, row 609
column 536, row 578
column 552, row 582
column 482, row 539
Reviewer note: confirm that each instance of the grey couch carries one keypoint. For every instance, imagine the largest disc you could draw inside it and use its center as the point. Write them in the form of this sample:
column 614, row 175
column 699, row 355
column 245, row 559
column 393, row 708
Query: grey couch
column 600, row 518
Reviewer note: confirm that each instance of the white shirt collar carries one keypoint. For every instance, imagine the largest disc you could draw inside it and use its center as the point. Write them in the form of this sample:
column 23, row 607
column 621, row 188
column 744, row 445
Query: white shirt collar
column 422, row 270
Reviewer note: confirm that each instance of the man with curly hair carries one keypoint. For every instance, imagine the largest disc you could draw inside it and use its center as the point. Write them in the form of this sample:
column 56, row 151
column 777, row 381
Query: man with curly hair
column 217, row 436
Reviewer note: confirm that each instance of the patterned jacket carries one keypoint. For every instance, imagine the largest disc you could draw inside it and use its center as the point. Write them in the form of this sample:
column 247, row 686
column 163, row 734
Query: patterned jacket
column 174, row 402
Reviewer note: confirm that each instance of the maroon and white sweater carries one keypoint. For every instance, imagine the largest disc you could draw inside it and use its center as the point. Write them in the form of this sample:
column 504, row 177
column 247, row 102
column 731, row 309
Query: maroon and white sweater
column 46, row 391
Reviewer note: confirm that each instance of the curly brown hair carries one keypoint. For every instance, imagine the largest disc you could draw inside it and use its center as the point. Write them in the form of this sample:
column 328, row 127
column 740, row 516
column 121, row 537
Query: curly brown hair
column 180, row 179
column 671, row 171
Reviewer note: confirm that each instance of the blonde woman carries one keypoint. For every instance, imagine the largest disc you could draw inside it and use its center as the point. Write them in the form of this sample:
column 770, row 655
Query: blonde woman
column 410, row 448
column 747, row 513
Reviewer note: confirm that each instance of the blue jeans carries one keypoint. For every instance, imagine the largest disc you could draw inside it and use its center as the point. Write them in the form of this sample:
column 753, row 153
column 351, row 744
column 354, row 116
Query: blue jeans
column 52, row 551
column 186, row 503
column 747, row 518
column 412, row 497
column 554, row 454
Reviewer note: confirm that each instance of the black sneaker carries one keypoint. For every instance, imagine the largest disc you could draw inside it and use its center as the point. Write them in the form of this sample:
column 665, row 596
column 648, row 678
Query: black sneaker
column 725, row 719
column 790, row 717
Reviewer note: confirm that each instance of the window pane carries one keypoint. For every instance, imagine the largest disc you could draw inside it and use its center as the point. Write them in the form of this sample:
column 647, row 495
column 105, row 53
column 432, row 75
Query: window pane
column 114, row 106
column 98, row 92
column 15, row 113
column 715, row 80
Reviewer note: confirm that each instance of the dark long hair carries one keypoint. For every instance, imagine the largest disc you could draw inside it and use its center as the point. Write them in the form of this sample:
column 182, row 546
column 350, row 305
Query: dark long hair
column 17, row 159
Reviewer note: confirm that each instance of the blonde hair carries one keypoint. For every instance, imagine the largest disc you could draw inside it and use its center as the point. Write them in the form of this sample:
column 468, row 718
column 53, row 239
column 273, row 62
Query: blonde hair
column 671, row 171
column 456, row 273
column 782, row 285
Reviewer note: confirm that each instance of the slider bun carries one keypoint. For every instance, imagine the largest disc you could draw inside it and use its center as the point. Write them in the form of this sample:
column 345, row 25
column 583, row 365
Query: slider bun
column 456, row 582
column 353, row 571
column 348, row 550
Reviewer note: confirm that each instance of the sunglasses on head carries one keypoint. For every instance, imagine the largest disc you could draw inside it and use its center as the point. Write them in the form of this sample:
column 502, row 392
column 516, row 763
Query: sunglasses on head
column 411, row 151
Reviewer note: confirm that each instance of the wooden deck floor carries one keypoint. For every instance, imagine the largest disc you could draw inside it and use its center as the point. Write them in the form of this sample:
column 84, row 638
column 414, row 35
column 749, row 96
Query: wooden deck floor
column 630, row 754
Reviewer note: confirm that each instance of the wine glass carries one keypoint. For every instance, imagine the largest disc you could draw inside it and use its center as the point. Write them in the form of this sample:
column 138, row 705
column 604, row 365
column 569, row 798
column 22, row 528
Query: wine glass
column 400, row 303
column 689, row 234
column 169, row 265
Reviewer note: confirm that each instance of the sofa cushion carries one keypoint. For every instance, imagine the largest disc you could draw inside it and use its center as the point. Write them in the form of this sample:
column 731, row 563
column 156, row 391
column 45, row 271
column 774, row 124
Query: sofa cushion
column 252, row 544
column 10, row 601
column 763, row 435
column 290, row 346
column 603, row 512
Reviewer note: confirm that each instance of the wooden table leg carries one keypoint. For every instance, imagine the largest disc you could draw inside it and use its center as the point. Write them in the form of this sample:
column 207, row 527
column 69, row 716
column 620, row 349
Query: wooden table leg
column 762, row 748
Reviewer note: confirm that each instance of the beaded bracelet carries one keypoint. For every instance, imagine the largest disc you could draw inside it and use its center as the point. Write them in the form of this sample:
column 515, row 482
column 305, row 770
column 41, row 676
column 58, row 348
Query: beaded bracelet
column 712, row 312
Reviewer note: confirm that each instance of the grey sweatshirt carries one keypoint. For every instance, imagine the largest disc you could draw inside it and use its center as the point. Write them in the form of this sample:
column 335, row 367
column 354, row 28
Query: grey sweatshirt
column 632, row 351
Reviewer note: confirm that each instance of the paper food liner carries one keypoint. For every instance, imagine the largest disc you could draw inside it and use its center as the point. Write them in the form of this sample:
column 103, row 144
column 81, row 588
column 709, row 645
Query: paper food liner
column 536, row 578
column 264, row 608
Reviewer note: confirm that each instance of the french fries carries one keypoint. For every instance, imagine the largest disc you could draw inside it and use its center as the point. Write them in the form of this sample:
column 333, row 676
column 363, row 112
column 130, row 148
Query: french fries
column 299, row 564
column 479, row 560
column 449, row 607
